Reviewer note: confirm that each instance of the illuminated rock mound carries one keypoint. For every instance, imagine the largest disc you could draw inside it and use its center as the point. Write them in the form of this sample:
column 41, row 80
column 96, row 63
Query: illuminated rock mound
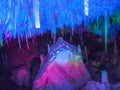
column 62, row 69
column 21, row 77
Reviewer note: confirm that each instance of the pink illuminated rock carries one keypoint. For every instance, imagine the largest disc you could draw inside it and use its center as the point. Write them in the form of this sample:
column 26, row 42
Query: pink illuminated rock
column 62, row 70
column 21, row 77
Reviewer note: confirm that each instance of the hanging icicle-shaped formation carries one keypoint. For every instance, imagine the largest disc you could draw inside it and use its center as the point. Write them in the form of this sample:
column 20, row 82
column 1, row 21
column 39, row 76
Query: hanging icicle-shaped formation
column 86, row 7
column 106, row 28
column 56, row 13
column 60, row 13
column 36, row 6
column 27, row 15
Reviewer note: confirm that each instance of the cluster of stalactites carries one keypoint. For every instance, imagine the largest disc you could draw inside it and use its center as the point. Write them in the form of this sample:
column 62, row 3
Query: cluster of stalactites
column 31, row 17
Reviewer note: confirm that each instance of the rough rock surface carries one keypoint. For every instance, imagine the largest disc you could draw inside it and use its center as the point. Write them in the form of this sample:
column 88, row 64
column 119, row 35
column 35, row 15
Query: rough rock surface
column 21, row 77
column 63, row 69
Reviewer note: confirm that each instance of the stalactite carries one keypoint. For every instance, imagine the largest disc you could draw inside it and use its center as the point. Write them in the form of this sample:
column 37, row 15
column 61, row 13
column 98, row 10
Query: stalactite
column 1, row 38
column 36, row 6
column 27, row 41
column 15, row 22
column 21, row 1
column 48, row 15
column 10, row 3
column 106, row 29
column 70, row 37
column 54, row 37
column 115, row 47
column 19, row 42
column 27, row 31
column 86, row 7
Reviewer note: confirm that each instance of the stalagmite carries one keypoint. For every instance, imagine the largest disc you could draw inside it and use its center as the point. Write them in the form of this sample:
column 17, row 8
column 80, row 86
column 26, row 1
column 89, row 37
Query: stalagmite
column 49, row 48
column 63, row 69
column 105, row 80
